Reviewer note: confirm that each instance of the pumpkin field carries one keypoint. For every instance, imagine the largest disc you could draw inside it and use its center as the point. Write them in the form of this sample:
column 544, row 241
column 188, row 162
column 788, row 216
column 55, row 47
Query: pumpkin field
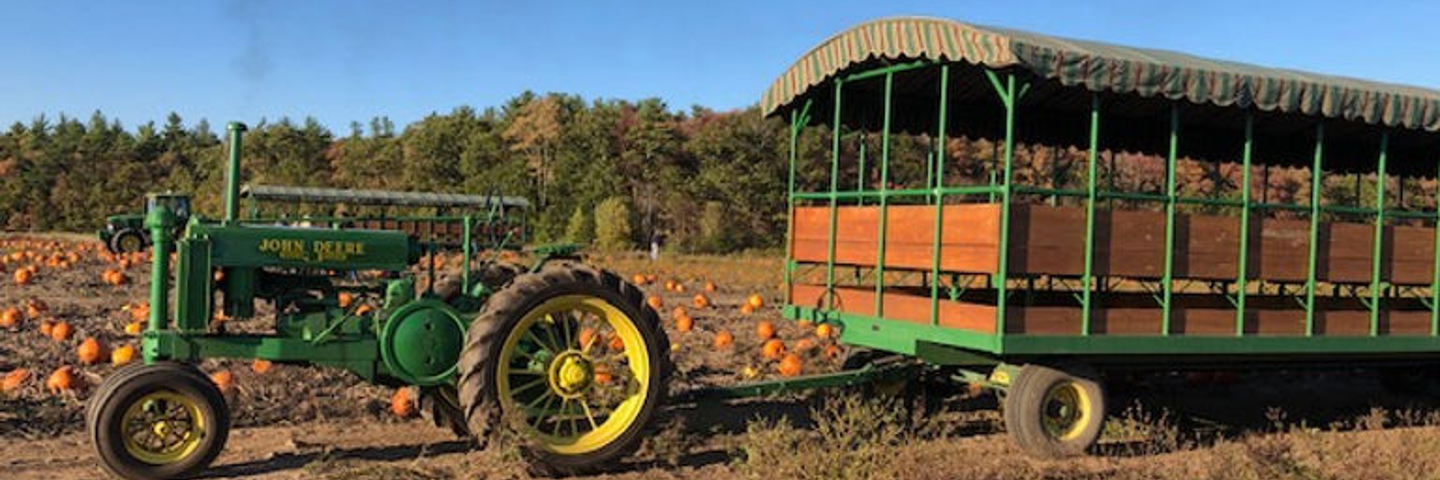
column 70, row 313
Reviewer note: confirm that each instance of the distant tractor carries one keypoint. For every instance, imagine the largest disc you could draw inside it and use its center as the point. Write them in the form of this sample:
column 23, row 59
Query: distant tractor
column 567, row 355
column 126, row 233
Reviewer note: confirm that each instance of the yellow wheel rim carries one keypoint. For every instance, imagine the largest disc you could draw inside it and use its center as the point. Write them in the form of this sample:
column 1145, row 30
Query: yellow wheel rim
column 1065, row 410
column 578, row 372
column 162, row 427
column 130, row 243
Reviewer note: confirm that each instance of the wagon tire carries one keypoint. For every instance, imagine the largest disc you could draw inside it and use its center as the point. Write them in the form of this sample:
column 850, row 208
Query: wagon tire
column 1054, row 411
column 180, row 390
column 506, row 314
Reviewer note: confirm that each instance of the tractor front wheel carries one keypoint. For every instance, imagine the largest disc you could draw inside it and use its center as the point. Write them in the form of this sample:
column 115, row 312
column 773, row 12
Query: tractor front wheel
column 128, row 240
column 572, row 360
column 1054, row 412
column 158, row 421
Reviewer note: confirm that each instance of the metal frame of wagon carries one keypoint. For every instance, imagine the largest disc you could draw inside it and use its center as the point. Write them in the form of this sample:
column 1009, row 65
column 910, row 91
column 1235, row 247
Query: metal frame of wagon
column 1359, row 112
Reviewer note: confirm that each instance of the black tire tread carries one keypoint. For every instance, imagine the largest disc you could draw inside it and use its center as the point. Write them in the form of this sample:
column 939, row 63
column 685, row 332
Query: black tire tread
column 475, row 390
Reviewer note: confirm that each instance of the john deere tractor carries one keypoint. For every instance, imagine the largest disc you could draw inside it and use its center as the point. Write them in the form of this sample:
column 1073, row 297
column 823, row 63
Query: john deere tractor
column 564, row 354
column 126, row 233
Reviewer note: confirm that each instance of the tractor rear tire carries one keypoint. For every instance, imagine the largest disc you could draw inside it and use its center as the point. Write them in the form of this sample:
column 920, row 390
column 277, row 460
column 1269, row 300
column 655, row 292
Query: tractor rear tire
column 441, row 406
column 128, row 240
column 484, row 367
column 167, row 390
column 1054, row 412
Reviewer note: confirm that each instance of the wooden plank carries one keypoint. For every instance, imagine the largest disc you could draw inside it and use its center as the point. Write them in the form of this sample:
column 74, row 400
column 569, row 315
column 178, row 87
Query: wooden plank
column 899, row 306
column 1129, row 243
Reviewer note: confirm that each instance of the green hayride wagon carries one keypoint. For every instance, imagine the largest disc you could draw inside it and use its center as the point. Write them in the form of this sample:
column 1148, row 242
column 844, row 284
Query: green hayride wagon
column 1040, row 287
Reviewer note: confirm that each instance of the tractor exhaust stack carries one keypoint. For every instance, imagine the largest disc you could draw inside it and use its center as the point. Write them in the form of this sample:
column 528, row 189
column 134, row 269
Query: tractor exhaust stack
column 232, row 173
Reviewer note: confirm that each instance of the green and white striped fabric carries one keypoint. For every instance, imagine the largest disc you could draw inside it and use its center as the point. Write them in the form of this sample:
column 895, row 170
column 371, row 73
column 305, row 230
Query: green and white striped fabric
column 1103, row 67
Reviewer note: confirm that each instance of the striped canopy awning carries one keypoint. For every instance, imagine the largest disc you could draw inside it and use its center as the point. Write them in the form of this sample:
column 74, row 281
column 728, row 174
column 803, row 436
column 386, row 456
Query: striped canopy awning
column 1103, row 67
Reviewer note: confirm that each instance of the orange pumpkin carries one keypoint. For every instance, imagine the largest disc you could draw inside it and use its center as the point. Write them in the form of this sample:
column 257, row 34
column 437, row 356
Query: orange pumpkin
column 261, row 366
column 755, row 301
column 710, row 287
column 62, row 379
column 587, row 337
column 773, row 349
column 224, row 380
column 47, row 327
column 616, row 344
column 346, row 298
column 723, row 339
column 91, row 351
column 790, row 366
column 804, row 345
column 10, row 318
column 701, row 301
column 670, row 285
column 638, row 279
column 832, row 351
column 24, row 276
column 14, row 380
column 401, row 404
column 655, row 302
column 824, row 330
column 746, row 309
column 364, row 309
column 684, row 323
column 61, row 331
column 765, row 330
column 602, row 375
column 134, row 328
column 122, row 355
column 678, row 312
column 35, row 308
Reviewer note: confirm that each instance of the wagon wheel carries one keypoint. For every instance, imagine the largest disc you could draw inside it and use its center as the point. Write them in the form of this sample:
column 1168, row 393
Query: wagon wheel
column 1054, row 412
column 570, row 358
column 158, row 421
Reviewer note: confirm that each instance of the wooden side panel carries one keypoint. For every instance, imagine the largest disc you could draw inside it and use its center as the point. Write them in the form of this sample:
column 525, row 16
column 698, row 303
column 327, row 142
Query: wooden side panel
column 1129, row 243
column 970, row 236
column 900, row 306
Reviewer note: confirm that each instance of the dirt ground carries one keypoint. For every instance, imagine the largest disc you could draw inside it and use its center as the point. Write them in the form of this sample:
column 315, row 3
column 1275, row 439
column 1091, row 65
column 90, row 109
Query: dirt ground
column 300, row 422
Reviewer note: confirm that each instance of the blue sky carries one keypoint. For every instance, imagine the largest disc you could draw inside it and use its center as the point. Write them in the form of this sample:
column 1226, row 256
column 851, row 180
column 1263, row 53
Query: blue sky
column 343, row 61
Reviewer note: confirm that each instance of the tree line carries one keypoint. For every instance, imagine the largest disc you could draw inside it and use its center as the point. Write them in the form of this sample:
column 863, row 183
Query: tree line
column 611, row 172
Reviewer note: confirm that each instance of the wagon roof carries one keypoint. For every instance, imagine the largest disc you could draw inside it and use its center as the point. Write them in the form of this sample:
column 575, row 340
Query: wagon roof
column 275, row 193
column 1100, row 67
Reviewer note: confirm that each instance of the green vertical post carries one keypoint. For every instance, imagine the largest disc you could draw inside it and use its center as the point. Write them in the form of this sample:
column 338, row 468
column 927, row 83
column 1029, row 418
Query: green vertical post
column 468, row 251
column 938, row 196
column 1377, row 254
column 834, row 188
column 1092, row 157
column 797, row 122
column 1242, row 275
column 1312, row 259
column 884, row 199
column 1010, row 98
column 994, row 167
column 1168, row 275
column 1435, row 271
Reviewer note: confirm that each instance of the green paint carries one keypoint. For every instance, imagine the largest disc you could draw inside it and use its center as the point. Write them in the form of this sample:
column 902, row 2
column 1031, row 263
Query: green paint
column 1377, row 254
column 884, row 199
column 834, row 187
column 1242, row 275
column 232, row 172
column 1088, row 276
column 1317, row 182
column 1167, row 276
column 939, row 197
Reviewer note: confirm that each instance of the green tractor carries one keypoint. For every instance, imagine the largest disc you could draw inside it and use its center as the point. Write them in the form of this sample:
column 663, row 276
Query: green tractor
column 564, row 354
column 126, row 233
